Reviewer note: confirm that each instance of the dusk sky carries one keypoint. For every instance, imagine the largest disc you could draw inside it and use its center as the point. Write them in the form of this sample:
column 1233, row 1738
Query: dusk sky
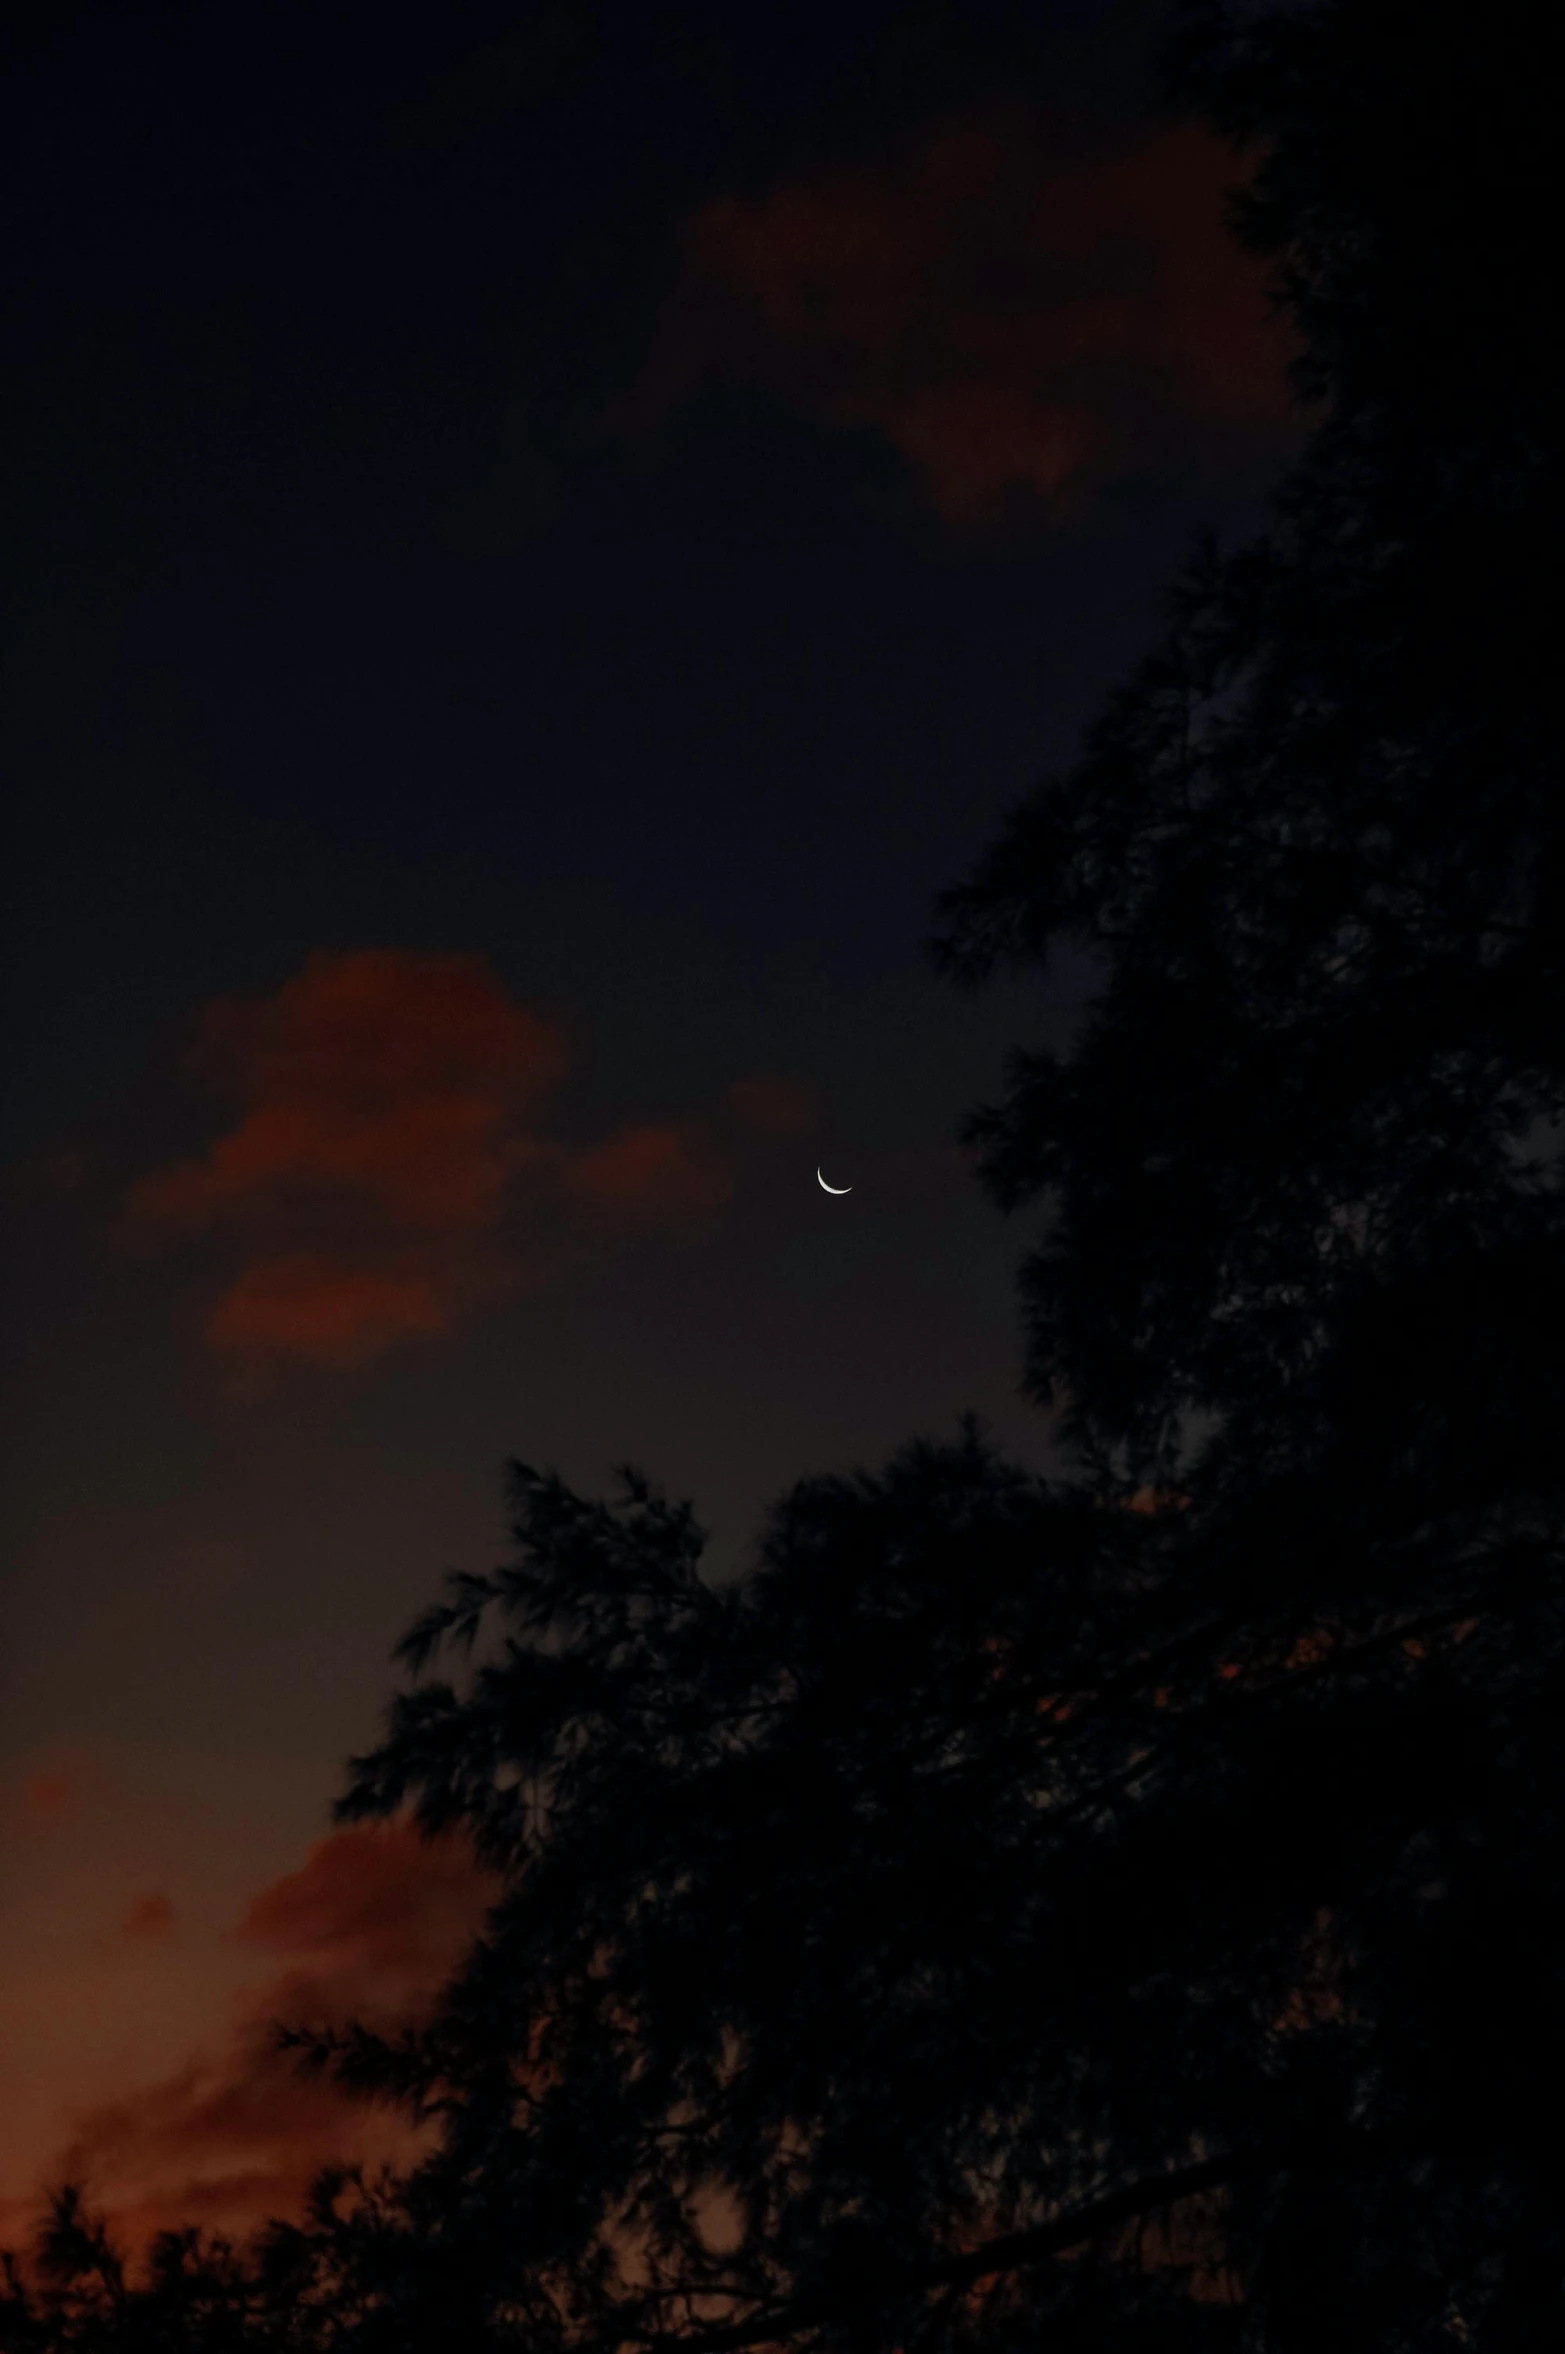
column 538, row 541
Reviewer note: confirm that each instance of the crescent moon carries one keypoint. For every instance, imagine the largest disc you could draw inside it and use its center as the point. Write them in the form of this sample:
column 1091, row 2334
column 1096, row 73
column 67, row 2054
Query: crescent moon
column 825, row 1188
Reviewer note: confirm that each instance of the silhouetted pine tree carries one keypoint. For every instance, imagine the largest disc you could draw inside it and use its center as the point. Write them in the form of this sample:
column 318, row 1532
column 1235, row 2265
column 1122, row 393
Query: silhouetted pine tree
column 1007, row 1872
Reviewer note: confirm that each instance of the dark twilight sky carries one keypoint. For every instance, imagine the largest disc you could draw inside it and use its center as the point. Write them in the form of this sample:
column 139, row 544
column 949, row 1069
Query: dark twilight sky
column 537, row 541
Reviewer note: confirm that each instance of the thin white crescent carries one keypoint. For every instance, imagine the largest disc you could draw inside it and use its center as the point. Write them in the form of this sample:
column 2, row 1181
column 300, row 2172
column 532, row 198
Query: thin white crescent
column 825, row 1188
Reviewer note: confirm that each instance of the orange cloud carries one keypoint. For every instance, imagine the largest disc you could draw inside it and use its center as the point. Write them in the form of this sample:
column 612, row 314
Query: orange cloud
column 386, row 1145
column 47, row 1800
column 370, row 1922
column 306, row 1305
column 1018, row 303
column 663, row 1169
column 150, row 1917
column 384, row 1076
column 368, row 1927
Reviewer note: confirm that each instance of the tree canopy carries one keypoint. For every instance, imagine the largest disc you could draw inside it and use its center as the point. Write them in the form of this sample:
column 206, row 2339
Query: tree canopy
column 1112, row 1911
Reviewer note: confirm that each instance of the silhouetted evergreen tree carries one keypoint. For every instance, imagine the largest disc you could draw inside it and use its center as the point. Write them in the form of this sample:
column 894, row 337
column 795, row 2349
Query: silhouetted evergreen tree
column 1002, row 1862
column 194, row 2294
column 1114, row 1913
column 1302, row 1262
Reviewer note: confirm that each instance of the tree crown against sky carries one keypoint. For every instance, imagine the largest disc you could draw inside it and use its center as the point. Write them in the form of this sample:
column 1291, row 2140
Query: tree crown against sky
column 1314, row 842
column 1116, row 1912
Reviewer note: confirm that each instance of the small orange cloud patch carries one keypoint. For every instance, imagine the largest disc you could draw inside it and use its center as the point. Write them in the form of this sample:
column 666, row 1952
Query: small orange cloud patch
column 150, row 1918
column 369, row 1927
column 387, row 1144
column 382, row 1074
column 1019, row 303
column 371, row 1920
column 47, row 1800
column 657, row 1170
column 305, row 1305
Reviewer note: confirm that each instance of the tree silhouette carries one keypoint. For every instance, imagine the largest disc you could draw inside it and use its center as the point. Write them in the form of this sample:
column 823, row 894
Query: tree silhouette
column 195, row 2292
column 1113, row 1912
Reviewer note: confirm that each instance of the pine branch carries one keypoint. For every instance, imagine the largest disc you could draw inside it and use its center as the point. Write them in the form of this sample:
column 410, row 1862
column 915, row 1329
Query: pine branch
column 1006, row 2254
